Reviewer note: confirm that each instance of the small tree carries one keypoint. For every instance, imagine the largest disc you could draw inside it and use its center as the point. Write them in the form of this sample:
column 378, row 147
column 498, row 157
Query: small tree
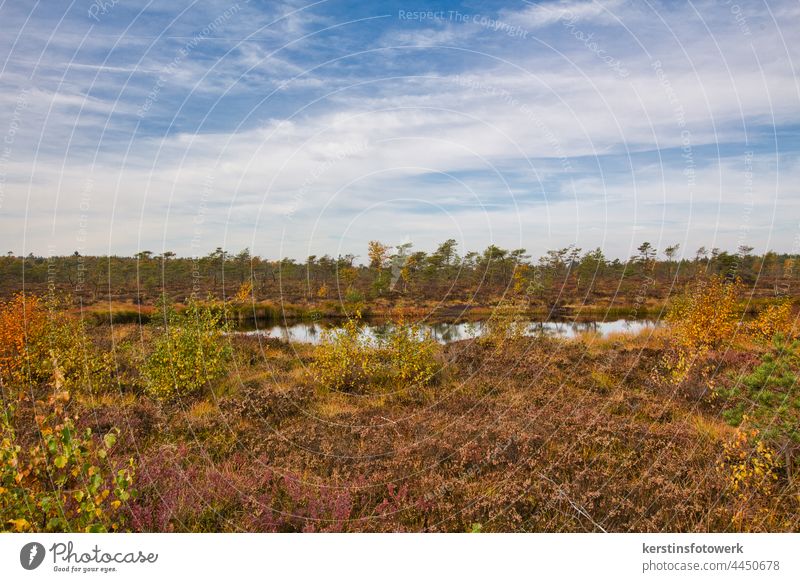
column 646, row 252
column 704, row 317
column 671, row 252
column 774, row 319
column 378, row 254
column 345, row 358
column 412, row 354
column 41, row 342
column 21, row 318
column 190, row 351
column 508, row 322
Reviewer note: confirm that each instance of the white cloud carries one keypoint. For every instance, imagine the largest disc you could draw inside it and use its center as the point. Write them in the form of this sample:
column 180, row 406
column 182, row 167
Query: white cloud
column 506, row 146
column 543, row 14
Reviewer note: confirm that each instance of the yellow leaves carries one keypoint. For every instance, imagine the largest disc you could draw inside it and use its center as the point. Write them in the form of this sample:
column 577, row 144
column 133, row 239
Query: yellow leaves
column 101, row 497
column 77, row 496
column 703, row 318
column 344, row 358
column 774, row 319
column 244, row 294
column 53, row 482
column 43, row 342
column 189, row 353
column 706, row 315
column 348, row 359
column 378, row 254
column 412, row 354
column 19, row 525
column 750, row 465
column 519, row 278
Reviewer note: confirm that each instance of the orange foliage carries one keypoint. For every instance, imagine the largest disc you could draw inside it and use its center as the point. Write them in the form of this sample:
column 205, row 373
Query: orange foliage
column 21, row 318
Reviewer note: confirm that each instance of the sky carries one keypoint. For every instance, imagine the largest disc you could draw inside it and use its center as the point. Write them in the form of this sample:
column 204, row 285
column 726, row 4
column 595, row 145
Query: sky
column 295, row 128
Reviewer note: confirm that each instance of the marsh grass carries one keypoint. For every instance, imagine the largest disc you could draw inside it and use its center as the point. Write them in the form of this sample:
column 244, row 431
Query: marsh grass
column 511, row 439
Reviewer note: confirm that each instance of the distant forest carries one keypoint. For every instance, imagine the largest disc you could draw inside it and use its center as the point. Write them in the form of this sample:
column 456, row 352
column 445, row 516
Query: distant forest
column 399, row 274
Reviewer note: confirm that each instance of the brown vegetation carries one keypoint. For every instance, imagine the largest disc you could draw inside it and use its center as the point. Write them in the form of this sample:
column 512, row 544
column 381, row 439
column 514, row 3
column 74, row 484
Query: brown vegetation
column 502, row 433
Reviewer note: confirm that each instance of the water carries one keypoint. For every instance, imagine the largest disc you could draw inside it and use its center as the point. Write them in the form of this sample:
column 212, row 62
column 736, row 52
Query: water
column 310, row 332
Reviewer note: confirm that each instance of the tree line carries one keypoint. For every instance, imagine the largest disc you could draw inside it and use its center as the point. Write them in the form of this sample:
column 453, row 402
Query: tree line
column 395, row 273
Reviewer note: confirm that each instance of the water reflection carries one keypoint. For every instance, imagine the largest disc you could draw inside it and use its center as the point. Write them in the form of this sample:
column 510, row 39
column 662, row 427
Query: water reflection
column 309, row 332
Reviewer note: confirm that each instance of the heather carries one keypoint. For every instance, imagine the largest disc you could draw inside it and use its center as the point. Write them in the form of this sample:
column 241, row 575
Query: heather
column 183, row 424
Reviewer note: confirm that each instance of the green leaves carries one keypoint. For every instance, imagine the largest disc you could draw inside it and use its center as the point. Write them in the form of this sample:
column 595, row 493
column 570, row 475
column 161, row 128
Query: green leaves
column 348, row 359
column 63, row 482
column 66, row 435
column 190, row 352
column 110, row 440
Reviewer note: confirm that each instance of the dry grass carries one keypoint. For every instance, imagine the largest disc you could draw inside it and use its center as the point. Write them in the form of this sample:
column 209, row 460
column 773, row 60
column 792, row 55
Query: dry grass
column 512, row 439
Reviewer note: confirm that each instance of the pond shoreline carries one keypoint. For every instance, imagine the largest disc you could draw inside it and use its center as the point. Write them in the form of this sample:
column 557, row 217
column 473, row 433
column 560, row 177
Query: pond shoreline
column 104, row 314
column 311, row 332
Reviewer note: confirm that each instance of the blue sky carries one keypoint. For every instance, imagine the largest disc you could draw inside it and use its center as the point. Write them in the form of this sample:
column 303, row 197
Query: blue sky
column 297, row 128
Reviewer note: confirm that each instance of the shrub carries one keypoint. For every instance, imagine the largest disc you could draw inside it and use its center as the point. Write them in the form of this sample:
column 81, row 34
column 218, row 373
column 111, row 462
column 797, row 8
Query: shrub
column 354, row 297
column 64, row 483
column 190, row 352
column 702, row 318
column 705, row 315
column 750, row 468
column 345, row 358
column 412, row 354
column 348, row 359
column 772, row 320
column 67, row 354
column 508, row 322
column 20, row 318
column 245, row 294
column 751, row 464
column 42, row 343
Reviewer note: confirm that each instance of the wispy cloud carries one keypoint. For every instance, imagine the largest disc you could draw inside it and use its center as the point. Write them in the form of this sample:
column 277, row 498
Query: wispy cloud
column 322, row 125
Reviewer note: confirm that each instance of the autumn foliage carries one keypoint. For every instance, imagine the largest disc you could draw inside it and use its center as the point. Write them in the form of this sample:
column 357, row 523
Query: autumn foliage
column 774, row 319
column 186, row 425
column 348, row 359
column 706, row 315
column 53, row 476
column 22, row 318
column 188, row 352
column 65, row 481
